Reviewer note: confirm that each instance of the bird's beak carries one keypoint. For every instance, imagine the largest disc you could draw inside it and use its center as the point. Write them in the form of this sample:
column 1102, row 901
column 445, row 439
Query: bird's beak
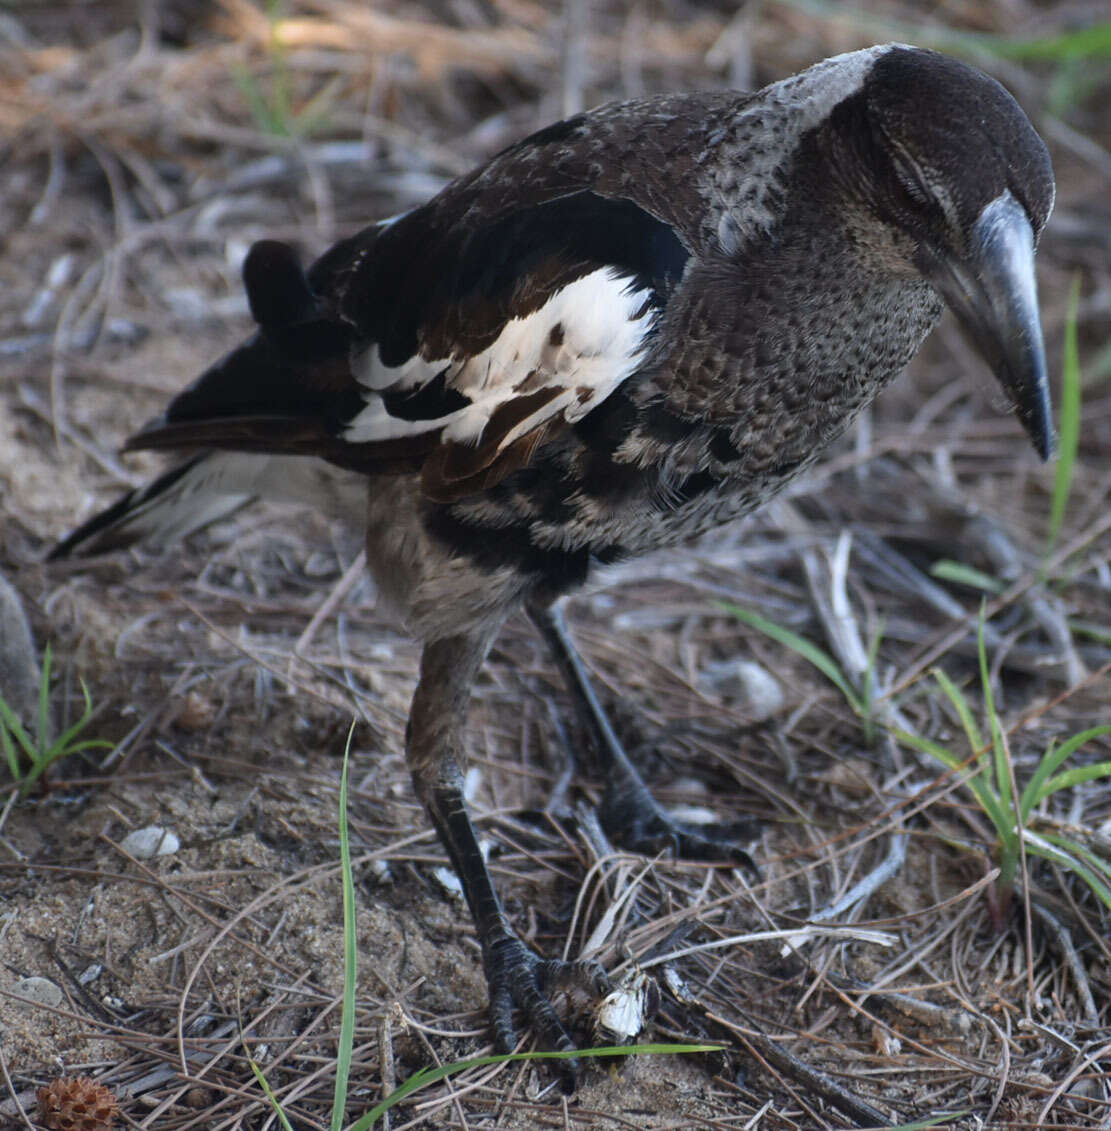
column 993, row 292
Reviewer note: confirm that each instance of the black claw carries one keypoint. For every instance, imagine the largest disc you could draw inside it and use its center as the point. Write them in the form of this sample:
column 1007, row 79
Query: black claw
column 632, row 819
column 568, row 1076
column 519, row 978
column 501, row 1018
column 585, row 975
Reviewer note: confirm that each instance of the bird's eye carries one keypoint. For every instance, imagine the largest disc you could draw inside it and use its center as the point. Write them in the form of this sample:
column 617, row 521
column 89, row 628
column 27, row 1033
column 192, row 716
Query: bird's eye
column 909, row 193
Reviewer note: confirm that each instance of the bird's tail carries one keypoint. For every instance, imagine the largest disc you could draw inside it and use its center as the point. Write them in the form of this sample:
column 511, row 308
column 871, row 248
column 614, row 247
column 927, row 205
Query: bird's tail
column 257, row 418
column 208, row 487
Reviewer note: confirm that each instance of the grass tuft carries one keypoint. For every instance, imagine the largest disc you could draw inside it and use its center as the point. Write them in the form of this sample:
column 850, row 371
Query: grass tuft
column 1011, row 815
column 991, row 778
column 945, row 569
column 270, row 102
column 28, row 757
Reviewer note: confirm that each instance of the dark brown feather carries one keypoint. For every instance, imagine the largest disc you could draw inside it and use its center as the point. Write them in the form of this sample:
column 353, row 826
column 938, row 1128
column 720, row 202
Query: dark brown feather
column 453, row 470
column 282, row 435
column 440, row 487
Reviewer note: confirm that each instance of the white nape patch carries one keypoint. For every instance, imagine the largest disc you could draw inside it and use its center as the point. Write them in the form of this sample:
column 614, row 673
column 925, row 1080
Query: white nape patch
column 765, row 131
column 583, row 342
column 813, row 93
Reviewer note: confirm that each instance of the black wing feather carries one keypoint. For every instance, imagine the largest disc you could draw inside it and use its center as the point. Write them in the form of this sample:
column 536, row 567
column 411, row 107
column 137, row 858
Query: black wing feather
column 443, row 280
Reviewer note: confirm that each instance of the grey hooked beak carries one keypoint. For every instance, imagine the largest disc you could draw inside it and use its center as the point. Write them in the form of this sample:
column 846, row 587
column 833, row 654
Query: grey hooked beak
column 994, row 295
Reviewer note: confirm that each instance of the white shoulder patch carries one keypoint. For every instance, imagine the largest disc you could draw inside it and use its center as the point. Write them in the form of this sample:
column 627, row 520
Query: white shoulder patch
column 579, row 346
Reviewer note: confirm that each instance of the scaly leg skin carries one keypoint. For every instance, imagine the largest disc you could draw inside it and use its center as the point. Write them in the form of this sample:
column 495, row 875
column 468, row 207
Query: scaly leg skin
column 630, row 815
column 515, row 975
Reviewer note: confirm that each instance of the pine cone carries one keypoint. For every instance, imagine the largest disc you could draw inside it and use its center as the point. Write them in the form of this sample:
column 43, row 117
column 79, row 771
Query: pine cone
column 77, row 1103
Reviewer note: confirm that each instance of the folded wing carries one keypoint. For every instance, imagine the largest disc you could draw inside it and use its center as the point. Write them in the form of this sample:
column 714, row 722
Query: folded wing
column 448, row 346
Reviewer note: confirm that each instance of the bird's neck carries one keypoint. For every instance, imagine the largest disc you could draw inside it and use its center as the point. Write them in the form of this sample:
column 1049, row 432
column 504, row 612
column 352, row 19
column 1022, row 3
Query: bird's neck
column 813, row 334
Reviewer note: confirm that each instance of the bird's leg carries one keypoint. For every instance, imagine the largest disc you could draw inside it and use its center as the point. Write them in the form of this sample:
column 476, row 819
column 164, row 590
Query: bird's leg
column 516, row 976
column 630, row 815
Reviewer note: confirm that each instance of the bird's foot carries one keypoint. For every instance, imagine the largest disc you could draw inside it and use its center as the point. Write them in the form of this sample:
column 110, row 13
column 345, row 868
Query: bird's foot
column 632, row 819
column 520, row 978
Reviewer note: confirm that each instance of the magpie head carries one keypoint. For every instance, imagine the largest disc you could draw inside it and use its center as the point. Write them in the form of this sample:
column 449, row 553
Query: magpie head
column 946, row 159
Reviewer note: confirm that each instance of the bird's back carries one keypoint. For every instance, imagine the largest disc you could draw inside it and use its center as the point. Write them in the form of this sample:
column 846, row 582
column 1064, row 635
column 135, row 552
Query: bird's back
column 620, row 331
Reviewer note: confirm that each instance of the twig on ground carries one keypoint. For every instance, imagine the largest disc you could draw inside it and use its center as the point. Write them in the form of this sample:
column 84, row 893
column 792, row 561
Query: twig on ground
column 1062, row 940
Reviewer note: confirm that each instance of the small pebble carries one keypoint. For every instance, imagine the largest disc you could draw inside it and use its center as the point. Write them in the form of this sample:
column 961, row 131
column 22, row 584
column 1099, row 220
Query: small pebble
column 198, row 1098
column 448, row 881
column 885, row 1043
column 472, row 781
column 693, row 814
column 196, row 712
column 146, row 844
column 380, row 870
column 755, row 690
column 40, row 991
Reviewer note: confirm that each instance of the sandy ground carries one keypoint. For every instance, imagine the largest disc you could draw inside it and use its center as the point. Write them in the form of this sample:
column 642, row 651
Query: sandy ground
column 135, row 179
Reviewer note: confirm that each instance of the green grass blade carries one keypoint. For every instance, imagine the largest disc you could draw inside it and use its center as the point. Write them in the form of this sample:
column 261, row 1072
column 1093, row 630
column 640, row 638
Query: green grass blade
column 1100, row 633
column 946, row 757
column 350, row 953
column 1078, row 775
column 1084, row 43
column 43, row 735
column 1000, row 819
column 1098, row 863
column 27, row 782
column 258, row 105
column 15, row 728
column 1035, row 791
column 10, row 755
column 964, row 711
column 808, row 651
column 1002, row 775
column 1065, row 852
column 428, row 1076
column 1101, row 890
column 64, row 741
column 89, row 744
column 931, row 1121
column 1091, row 42
column 1069, row 416
column 43, row 763
column 963, row 574
column 64, row 744
column 265, row 1085
column 981, row 784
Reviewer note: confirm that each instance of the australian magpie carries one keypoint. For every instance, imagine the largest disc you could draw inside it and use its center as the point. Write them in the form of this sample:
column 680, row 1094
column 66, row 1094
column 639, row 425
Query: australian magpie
column 630, row 327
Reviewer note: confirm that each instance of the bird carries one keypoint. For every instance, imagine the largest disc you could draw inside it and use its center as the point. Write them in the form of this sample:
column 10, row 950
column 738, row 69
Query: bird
column 622, row 331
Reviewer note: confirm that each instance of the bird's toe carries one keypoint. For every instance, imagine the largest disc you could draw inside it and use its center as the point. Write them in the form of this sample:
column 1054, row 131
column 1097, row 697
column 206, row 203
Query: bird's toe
column 519, row 978
column 636, row 822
